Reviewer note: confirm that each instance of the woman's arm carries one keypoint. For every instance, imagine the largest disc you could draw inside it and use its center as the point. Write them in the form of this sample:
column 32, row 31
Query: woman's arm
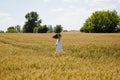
column 57, row 42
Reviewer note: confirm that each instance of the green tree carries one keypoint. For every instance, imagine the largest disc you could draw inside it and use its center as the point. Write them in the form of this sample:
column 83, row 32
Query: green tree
column 58, row 29
column 1, row 31
column 41, row 29
column 32, row 22
column 45, row 28
column 101, row 21
column 119, row 21
column 38, row 29
column 118, row 28
column 12, row 30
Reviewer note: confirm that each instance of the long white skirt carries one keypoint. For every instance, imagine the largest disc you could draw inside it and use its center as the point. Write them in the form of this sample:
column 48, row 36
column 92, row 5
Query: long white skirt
column 59, row 46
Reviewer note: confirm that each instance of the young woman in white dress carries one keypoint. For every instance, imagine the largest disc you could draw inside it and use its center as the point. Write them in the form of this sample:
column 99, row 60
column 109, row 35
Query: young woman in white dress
column 59, row 42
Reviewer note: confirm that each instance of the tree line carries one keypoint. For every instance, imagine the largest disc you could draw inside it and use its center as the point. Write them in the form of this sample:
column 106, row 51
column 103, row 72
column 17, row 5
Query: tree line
column 98, row 22
column 33, row 25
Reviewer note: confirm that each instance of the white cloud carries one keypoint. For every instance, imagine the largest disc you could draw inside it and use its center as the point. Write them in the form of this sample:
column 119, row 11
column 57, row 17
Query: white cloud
column 72, row 18
column 119, row 1
column 46, row 0
column 6, row 20
column 4, row 14
column 98, row 0
column 101, row 4
column 70, row 1
column 57, row 10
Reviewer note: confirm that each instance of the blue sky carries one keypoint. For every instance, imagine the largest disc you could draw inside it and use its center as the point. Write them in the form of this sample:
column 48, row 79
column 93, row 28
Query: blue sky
column 71, row 14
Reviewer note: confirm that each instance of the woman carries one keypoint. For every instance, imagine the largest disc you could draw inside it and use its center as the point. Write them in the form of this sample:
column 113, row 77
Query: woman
column 59, row 42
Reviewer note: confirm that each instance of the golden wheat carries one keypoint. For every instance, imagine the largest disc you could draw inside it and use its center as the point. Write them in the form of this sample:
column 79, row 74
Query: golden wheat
column 84, row 57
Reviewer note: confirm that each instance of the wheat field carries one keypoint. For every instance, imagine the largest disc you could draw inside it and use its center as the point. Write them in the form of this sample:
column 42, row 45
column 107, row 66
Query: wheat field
column 85, row 56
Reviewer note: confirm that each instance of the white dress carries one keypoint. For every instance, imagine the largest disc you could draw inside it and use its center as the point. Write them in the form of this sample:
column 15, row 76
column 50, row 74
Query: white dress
column 59, row 45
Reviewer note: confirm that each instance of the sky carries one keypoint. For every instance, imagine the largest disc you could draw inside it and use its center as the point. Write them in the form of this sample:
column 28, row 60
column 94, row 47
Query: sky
column 71, row 14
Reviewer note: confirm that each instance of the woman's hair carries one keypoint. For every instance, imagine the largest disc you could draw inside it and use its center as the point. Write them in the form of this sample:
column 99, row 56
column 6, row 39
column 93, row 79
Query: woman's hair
column 56, row 36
